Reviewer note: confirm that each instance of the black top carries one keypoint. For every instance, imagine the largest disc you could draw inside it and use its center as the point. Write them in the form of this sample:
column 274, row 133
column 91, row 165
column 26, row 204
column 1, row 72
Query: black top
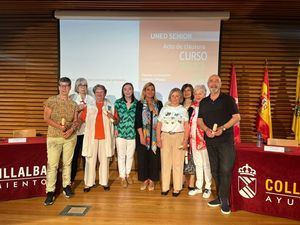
column 190, row 111
column 219, row 111
column 139, row 119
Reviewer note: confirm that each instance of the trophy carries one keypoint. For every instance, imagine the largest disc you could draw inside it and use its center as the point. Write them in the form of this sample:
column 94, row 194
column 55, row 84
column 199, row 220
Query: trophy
column 214, row 128
column 181, row 147
column 105, row 111
column 186, row 160
column 63, row 123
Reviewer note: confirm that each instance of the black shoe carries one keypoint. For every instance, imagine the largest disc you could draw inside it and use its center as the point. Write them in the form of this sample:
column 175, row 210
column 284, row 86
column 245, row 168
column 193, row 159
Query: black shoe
column 214, row 203
column 225, row 208
column 68, row 192
column 86, row 189
column 165, row 192
column 106, row 188
column 50, row 198
column 176, row 194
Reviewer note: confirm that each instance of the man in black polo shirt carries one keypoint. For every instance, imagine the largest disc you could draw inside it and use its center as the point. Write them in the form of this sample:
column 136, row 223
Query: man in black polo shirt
column 217, row 115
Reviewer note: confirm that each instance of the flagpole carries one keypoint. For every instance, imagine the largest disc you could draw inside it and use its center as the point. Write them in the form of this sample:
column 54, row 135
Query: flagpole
column 296, row 112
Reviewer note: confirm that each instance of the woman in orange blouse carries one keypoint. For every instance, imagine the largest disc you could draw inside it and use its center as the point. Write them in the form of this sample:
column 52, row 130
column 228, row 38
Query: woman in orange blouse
column 98, row 139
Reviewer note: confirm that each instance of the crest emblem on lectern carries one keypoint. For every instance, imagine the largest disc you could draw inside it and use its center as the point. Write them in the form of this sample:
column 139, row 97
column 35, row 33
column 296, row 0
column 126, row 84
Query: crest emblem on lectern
column 247, row 185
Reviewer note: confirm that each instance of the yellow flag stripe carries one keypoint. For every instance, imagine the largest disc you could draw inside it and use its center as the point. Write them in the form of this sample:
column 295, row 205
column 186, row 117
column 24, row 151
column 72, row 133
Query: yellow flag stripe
column 296, row 118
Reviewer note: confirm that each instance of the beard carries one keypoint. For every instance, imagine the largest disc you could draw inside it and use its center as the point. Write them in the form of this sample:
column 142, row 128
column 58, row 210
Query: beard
column 214, row 90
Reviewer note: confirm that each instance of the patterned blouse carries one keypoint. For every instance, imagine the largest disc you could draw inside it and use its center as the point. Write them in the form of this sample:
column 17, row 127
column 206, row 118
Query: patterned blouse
column 60, row 109
column 126, row 125
column 172, row 118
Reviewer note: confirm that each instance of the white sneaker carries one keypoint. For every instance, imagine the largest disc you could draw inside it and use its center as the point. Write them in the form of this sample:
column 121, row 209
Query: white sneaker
column 206, row 193
column 195, row 192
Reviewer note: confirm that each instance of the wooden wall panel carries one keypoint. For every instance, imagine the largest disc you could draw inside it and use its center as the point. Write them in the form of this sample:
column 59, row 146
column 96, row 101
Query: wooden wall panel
column 247, row 44
column 28, row 70
column 257, row 30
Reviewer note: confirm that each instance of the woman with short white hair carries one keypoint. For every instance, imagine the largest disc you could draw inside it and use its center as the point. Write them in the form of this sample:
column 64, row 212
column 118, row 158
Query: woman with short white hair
column 82, row 99
column 98, row 142
column 172, row 138
column 198, row 146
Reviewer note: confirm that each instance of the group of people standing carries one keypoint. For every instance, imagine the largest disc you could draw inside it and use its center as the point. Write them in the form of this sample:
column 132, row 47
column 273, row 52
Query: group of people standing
column 191, row 134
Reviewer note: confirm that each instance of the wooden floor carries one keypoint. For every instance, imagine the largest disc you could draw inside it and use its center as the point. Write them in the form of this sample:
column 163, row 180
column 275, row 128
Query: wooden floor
column 128, row 206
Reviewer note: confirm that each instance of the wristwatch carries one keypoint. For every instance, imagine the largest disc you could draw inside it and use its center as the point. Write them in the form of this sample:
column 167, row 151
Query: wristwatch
column 223, row 128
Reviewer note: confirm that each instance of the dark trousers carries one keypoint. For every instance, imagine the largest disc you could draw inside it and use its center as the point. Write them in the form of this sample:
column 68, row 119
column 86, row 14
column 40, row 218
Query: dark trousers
column 77, row 153
column 221, row 158
column 148, row 163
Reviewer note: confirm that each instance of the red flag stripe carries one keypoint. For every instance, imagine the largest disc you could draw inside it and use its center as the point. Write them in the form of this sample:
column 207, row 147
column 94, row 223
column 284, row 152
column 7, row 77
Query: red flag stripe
column 234, row 94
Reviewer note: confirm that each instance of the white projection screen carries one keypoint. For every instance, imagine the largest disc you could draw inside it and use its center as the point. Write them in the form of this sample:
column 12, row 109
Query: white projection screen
column 111, row 48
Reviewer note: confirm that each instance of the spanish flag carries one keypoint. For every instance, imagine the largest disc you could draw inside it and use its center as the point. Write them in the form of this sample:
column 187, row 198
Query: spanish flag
column 296, row 119
column 264, row 121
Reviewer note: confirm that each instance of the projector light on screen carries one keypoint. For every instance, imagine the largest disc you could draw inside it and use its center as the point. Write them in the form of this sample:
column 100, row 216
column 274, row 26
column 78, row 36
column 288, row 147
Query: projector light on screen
column 166, row 52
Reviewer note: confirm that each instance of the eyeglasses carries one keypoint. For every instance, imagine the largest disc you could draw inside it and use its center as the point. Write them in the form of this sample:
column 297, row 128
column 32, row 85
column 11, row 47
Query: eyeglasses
column 64, row 86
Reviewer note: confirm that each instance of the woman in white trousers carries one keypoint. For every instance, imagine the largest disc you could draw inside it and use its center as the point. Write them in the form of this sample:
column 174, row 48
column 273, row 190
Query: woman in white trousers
column 125, row 133
column 98, row 142
column 198, row 146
